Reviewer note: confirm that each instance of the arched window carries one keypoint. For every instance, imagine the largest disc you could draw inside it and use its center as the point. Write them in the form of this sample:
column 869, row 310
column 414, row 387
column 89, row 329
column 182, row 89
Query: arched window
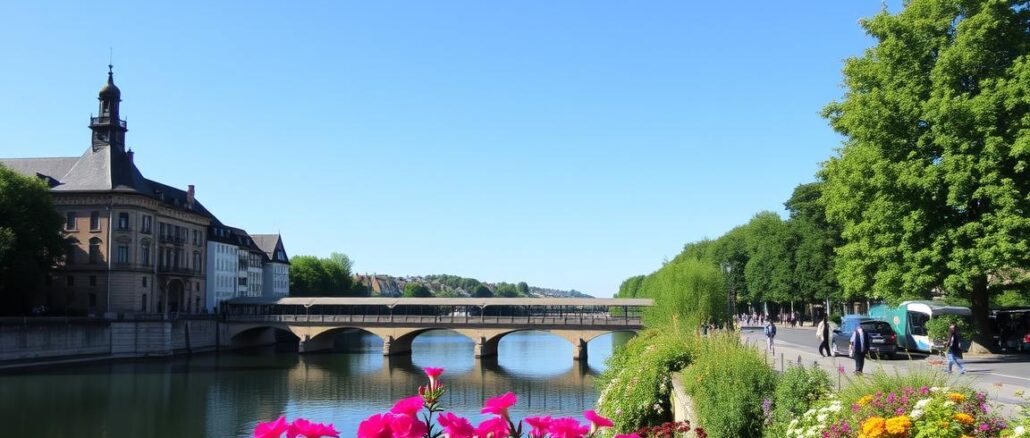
column 73, row 249
column 94, row 250
column 144, row 252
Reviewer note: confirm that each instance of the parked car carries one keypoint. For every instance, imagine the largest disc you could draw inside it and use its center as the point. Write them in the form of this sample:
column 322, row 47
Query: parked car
column 883, row 342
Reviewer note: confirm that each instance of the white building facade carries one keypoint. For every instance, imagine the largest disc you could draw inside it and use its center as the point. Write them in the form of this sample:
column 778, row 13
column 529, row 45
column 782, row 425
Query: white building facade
column 276, row 282
column 222, row 266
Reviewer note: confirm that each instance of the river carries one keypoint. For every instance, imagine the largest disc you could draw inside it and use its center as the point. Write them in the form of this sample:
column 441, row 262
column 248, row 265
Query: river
column 226, row 394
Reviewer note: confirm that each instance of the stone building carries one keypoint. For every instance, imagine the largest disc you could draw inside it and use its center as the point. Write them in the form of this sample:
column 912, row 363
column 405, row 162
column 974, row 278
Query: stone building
column 135, row 245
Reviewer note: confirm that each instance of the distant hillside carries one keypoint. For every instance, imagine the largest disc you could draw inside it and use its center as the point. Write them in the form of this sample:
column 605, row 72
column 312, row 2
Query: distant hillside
column 455, row 286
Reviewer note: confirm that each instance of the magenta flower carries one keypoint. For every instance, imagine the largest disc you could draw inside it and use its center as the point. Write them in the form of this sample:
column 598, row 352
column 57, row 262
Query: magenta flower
column 496, row 427
column 271, row 429
column 307, row 429
column 568, row 428
column 433, row 374
column 376, row 426
column 407, row 426
column 596, row 421
column 538, row 426
column 456, row 427
column 499, row 405
column 408, row 406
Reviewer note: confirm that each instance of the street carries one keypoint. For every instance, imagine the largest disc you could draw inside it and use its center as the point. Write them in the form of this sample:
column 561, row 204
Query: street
column 1006, row 378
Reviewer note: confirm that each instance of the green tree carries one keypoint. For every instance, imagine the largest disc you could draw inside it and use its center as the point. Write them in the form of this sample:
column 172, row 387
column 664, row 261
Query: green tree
column 481, row 291
column 506, row 290
column 816, row 240
column 307, row 276
column 769, row 271
column 30, row 241
column 930, row 186
column 523, row 288
column 416, row 290
column 630, row 288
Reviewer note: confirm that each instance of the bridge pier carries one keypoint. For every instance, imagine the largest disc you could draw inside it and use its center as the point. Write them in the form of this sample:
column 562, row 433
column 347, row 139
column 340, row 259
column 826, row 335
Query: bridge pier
column 486, row 347
column 319, row 343
column 396, row 347
column 579, row 350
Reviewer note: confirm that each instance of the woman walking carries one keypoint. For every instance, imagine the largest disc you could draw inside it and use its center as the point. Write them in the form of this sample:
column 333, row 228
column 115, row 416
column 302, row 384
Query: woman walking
column 823, row 332
column 954, row 351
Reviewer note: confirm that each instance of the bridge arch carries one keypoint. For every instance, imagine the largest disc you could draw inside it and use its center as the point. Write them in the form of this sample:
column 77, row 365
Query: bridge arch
column 255, row 335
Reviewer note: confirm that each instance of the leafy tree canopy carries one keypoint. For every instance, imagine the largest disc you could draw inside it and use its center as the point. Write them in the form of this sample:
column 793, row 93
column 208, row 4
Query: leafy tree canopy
column 30, row 241
column 416, row 290
column 930, row 186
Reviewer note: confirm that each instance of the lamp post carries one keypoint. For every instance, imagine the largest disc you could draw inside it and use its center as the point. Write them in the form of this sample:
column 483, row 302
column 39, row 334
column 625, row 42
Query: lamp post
column 730, row 296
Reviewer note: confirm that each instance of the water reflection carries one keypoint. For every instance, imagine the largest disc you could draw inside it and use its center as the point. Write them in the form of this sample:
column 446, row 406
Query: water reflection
column 224, row 395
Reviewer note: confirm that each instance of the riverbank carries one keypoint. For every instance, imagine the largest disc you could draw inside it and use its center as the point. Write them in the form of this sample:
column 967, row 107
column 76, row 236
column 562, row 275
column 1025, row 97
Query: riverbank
column 44, row 342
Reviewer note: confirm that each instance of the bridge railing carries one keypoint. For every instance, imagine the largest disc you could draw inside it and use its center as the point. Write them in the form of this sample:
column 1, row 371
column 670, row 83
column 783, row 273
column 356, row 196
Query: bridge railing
column 459, row 320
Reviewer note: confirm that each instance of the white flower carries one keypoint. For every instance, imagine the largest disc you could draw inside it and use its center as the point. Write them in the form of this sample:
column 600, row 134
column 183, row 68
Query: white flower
column 810, row 412
column 821, row 417
column 916, row 413
column 949, row 403
column 793, row 423
column 922, row 403
column 1018, row 431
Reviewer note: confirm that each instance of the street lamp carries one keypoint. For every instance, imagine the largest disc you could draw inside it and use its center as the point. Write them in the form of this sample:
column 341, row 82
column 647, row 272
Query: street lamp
column 731, row 302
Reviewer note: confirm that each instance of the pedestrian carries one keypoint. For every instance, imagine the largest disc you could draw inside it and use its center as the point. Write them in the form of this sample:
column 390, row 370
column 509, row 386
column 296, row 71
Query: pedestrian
column 954, row 353
column 770, row 333
column 859, row 347
column 823, row 333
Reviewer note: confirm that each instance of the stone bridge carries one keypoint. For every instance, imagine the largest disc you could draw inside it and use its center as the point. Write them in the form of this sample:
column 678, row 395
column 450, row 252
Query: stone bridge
column 398, row 321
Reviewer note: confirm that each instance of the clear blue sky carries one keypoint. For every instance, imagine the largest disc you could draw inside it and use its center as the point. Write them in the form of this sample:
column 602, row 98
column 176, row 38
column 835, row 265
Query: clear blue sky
column 567, row 144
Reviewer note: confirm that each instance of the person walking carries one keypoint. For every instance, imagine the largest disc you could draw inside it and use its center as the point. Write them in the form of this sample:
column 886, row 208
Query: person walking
column 770, row 333
column 823, row 333
column 954, row 353
column 859, row 347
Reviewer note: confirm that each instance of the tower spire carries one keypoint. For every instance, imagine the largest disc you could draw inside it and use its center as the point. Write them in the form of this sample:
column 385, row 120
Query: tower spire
column 108, row 128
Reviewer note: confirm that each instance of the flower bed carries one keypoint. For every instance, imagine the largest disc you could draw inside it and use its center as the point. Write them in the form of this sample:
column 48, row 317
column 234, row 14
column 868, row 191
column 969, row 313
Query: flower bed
column 421, row 416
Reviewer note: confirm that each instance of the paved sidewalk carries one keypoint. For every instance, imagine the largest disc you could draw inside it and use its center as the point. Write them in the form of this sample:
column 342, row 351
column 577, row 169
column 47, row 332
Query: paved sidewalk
column 1006, row 390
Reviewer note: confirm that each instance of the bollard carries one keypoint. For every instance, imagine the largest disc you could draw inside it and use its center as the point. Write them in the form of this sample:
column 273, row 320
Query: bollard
column 782, row 369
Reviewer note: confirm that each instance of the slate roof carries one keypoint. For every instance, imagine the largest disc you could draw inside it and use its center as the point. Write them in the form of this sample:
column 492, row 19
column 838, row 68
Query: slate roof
column 106, row 169
column 243, row 239
column 268, row 243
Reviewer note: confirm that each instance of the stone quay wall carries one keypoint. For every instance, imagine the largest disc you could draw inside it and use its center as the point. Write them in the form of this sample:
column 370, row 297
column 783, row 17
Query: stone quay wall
column 34, row 341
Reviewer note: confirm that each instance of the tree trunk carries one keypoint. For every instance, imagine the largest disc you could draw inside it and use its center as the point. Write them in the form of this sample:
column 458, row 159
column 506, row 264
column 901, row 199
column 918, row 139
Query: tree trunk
column 979, row 300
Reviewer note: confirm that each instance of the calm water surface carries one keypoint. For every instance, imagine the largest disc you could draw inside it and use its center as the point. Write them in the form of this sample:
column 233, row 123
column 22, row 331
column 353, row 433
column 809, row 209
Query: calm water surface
column 225, row 395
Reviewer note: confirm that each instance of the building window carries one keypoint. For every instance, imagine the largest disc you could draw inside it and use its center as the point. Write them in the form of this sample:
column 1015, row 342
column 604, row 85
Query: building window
column 94, row 221
column 92, row 301
column 94, row 250
column 73, row 248
column 144, row 282
column 123, row 254
column 147, row 224
column 196, row 261
column 143, row 306
column 69, row 222
column 123, row 221
column 71, row 280
column 144, row 254
column 164, row 229
column 93, row 280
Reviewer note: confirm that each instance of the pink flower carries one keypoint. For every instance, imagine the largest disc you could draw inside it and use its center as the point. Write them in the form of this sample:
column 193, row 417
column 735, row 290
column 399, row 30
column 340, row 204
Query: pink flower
column 408, row 406
column 539, row 426
column 456, row 427
column 596, row 421
column 271, row 429
column 568, row 428
column 499, row 405
column 307, row 429
column 496, row 427
column 407, row 426
column 433, row 374
column 376, row 426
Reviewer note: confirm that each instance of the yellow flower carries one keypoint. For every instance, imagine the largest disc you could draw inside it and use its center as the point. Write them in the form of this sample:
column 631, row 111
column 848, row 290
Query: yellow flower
column 963, row 418
column 864, row 400
column 874, row 427
column 898, row 425
column 956, row 397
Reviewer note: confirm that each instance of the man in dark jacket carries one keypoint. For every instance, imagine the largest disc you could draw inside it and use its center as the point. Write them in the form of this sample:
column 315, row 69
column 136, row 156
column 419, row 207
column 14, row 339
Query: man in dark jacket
column 859, row 347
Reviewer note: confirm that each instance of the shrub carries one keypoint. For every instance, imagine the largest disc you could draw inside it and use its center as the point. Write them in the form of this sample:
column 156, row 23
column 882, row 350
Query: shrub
column 635, row 386
column 728, row 382
column 798, row 390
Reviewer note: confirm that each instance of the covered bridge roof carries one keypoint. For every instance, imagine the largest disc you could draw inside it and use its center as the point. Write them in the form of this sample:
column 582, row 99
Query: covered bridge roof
column 480, row 302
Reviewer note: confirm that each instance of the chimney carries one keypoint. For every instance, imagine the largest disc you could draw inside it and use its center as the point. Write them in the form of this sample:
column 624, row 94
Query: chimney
column 131, row 154
column 190, row 193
